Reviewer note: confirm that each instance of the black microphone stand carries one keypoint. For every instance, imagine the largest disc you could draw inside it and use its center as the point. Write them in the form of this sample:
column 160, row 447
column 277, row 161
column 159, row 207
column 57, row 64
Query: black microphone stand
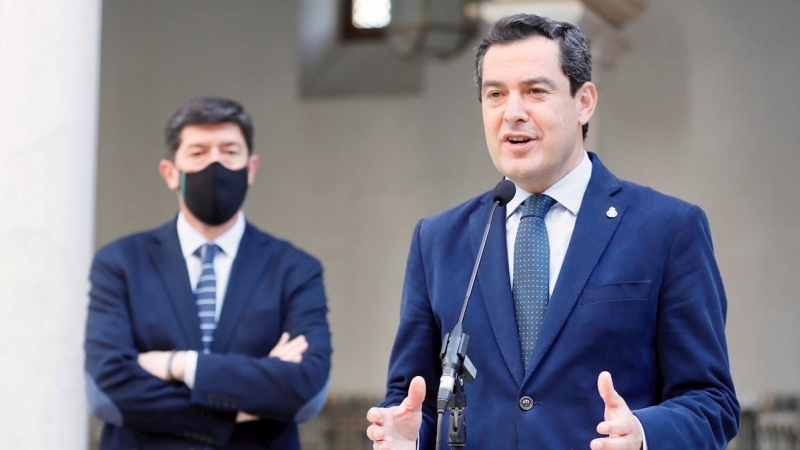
column 457, row 435
column 454, row 347
column 457, row 339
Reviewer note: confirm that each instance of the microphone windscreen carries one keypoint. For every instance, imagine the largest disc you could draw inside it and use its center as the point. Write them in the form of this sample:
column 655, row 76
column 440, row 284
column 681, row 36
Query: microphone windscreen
column 504, row 192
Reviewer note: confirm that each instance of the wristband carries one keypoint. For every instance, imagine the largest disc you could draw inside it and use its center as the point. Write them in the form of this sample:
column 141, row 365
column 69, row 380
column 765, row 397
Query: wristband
column 170, row 377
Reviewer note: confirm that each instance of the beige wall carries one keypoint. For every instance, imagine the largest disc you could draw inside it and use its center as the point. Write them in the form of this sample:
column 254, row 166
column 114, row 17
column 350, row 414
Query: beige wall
column 705, row 107
column 702, row 107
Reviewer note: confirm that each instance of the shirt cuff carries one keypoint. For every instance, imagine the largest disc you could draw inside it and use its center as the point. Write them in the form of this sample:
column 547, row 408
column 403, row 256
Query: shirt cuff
column 644, row 438
column 190, row 369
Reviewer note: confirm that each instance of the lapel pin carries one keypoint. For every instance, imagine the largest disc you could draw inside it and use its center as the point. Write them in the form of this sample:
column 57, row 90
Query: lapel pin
column 611, row 213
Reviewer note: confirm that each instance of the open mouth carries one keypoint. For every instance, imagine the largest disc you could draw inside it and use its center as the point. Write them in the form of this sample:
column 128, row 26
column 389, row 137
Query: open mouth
column 518, row 140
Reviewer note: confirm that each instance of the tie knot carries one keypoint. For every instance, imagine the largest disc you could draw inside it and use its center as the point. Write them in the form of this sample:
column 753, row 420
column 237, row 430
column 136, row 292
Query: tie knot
column 206, row 252
column 537, row 205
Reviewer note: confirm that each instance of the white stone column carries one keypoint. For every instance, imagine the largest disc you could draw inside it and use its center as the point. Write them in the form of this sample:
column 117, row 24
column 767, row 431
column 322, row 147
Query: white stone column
column 49, row 52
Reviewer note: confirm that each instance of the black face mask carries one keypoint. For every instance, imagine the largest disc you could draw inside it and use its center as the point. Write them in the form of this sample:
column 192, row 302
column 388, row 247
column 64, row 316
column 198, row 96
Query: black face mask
column 215, row 193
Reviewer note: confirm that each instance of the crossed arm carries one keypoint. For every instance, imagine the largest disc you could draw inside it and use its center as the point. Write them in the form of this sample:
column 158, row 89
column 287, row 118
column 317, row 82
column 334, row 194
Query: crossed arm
column 171, row 365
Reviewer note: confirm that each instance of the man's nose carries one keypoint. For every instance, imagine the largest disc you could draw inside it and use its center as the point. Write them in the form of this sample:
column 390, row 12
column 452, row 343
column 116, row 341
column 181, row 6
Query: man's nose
column 515, row 109
column 215, row 155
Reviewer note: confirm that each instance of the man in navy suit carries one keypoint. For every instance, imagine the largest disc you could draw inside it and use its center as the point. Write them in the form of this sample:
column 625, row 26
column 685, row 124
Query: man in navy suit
column 206, row 332
column 631, row 286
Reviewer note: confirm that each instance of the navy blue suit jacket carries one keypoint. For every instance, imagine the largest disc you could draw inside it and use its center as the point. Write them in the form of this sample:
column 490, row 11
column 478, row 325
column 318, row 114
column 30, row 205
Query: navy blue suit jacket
column 638, row 295
column 141, row 300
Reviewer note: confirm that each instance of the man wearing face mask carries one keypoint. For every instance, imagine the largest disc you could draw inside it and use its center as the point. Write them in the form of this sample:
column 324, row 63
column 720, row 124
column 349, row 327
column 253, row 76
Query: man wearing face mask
column 206, row 332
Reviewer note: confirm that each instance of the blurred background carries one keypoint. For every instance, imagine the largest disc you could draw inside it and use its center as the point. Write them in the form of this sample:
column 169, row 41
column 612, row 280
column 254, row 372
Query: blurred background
column 362, row 132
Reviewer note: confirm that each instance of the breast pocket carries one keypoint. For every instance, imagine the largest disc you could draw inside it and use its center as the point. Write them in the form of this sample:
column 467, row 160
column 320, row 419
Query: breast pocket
column 616, row 292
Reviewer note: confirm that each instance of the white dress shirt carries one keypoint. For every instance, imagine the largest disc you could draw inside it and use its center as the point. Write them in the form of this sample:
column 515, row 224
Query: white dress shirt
column 559, row 221
column 190, row 240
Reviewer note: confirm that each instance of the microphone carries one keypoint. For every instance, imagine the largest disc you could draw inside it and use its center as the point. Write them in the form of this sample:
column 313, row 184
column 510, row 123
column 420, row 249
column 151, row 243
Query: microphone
column 503, row 193
column 454, row 346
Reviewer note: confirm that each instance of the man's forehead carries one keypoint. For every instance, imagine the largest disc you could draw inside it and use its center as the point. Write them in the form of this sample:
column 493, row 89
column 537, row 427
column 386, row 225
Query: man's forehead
column 534, row 48
column 528, row 61
column 199, row 131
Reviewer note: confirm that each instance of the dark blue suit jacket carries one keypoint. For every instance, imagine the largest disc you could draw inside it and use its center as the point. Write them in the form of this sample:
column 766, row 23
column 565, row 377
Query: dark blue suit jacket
column 141, row 300
column 638, row 295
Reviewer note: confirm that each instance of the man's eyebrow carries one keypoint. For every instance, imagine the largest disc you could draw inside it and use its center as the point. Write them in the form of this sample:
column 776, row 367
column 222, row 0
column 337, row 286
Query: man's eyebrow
column 526, row 82
column 491, row 83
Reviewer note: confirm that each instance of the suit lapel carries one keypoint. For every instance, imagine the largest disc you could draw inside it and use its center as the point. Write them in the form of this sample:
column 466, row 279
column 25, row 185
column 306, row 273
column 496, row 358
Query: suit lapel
column 494, row 285
column 165, row 254
column 593, row 230
column 251, row 260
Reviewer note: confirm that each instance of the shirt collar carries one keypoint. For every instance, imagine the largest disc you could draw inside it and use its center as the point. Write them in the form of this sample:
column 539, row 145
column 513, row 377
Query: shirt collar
column 228, row 241
column 568, row 191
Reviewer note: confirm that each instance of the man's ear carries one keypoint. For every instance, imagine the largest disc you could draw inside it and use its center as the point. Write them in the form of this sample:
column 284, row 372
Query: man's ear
column 170, row 174
column 586, row 98
column 252, row 168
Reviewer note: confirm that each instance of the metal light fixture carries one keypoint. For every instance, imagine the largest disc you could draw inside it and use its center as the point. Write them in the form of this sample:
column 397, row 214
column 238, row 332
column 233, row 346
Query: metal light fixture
column 438, row 28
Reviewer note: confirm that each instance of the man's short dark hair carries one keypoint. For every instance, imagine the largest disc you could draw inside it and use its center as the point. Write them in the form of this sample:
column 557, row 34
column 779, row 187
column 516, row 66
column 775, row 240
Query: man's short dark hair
column 207, row 111
column 576, row 56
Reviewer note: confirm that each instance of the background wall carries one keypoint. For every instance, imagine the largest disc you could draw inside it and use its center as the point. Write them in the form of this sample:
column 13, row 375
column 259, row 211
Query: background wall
column 704, row 107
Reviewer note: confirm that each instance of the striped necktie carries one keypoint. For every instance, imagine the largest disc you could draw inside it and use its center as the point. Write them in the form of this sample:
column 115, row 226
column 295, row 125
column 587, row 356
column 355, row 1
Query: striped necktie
column 206, row 294
column 531, row 285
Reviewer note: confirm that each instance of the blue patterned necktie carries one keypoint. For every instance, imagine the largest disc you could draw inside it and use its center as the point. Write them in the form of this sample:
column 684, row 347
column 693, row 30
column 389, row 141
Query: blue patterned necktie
column 206, row 294
column 531, row 286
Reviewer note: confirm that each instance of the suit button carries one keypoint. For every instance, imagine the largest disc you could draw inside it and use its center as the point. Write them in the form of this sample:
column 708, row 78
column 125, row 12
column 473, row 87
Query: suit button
column 526, row 403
